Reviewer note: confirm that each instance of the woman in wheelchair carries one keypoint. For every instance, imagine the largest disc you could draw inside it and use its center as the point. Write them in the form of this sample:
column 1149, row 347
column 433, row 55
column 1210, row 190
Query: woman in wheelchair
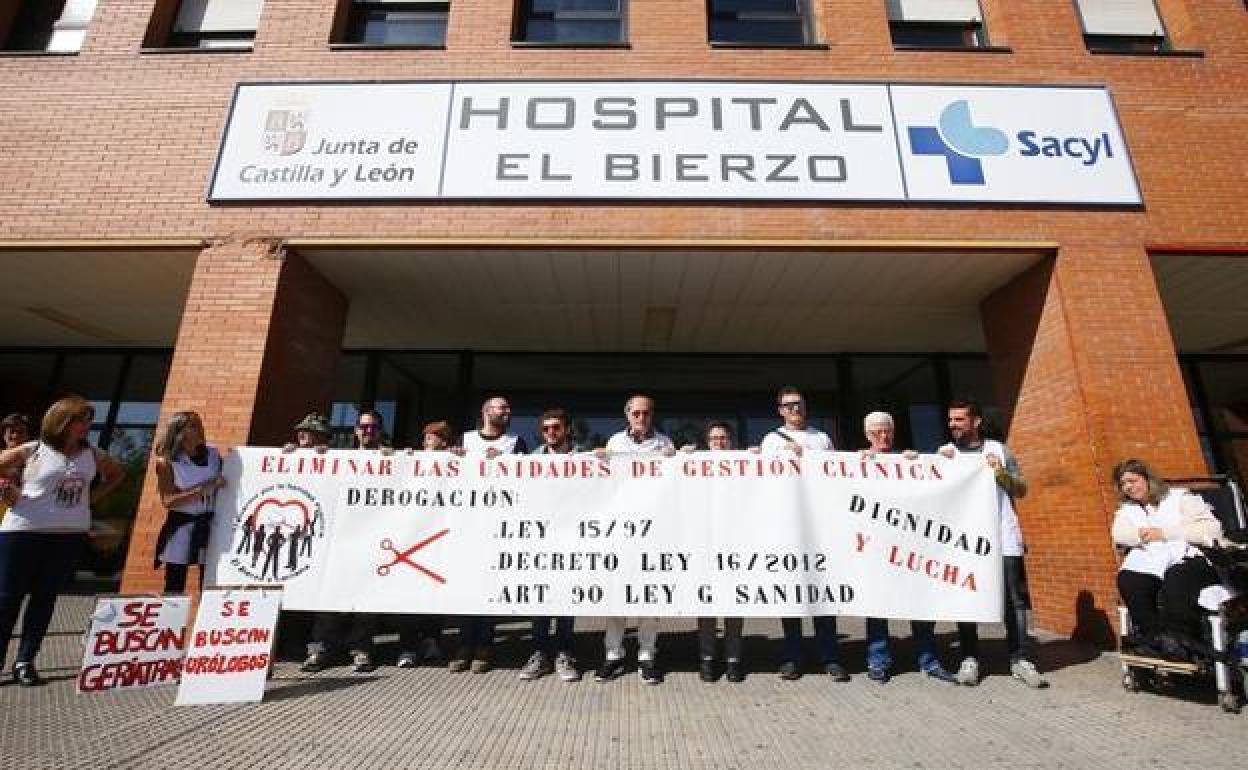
column 1160, row 527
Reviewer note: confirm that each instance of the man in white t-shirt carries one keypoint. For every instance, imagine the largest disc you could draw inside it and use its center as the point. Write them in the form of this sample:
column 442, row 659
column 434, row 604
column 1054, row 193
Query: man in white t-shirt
column 965, row 427
column 640, row 437
column 493, row 438
column 796, row 436
column 476, row 634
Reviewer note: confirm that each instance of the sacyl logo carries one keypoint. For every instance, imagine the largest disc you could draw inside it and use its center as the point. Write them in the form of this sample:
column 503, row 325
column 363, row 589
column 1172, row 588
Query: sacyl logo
column 962, row 144
column 960, row 141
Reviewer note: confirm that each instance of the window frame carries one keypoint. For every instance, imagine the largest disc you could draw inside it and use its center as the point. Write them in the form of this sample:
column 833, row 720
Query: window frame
column 1111, row 43
column 353, row 12
column 804, row 14
column 523, row 14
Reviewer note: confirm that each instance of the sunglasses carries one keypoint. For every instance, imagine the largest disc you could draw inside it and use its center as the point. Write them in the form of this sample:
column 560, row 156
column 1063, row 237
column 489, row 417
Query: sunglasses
column 552, row 427
column 791, row 404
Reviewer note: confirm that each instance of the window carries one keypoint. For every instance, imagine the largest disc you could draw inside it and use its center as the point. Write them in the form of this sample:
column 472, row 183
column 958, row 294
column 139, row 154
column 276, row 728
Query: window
column 58, row 26
column 397, row 22
column 936, row 23
column 215, row 24
column 759, row 22
column 576, row 22
column 1123, row 26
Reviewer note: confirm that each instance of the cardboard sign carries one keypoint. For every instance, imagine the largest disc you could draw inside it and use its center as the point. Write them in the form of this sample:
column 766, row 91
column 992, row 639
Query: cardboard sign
column 134, row 641
column 229, row 651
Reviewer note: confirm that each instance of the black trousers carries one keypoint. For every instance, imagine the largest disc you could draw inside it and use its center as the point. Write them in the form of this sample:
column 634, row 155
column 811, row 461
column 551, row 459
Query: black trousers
column 1180, row 590
column 1139, row 591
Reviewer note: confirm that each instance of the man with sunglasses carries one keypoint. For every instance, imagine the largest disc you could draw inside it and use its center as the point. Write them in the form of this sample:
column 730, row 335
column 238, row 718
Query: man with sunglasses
column 354, row 630
column 640, row 437
column 796, row 436
column 556, row 440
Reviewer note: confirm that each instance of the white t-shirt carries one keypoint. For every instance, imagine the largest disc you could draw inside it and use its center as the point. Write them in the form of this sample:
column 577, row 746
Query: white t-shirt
column 186, row 474
column 624, row 442
column 806, row 438
column 56, row 492
column 507, row 443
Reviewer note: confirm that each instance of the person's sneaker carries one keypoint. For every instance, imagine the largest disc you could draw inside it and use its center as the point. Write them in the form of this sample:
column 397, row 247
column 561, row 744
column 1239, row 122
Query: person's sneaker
column 537, row 666
column 458, row 663
column 565, row 668
column 1026, row 672
column 708, row 671
column 878, row 674
column 968, row 672
column 429, row 649
column 314, row 663
column 26, row 675
column 734, row 672
column 609, row 670
column 406, row 660
column 790, row 671
column 650, row 673
column 940, row 674
column 362, row 663
column 836, row 671
column 481, row 663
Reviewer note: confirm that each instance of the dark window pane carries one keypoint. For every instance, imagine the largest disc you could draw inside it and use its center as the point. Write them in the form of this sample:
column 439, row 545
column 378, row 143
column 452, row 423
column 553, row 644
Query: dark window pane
column 934, row 35
column 1125, row 43
column 1226, row 388
column 557, row 6
column 92, row 376
column 578, row 31
column 771, row 7
column 786, row 32
column 387, row 27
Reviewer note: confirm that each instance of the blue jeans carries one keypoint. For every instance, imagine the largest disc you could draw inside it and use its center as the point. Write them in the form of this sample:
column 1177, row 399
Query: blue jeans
column 826, row 642
column 879, row 654
column 563, row 635
column 34, row 567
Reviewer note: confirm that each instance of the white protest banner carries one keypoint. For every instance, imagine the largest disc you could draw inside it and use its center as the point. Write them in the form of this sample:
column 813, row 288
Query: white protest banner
column 231, row 646
column 705, row 533
column 134, row 641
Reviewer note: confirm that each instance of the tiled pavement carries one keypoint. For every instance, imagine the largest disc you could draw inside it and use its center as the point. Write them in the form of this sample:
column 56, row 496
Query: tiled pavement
column 429, row 718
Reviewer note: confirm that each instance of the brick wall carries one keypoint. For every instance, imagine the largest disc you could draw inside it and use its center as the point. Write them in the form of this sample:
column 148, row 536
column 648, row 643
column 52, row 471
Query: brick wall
column 234, row 365
column 117, row 143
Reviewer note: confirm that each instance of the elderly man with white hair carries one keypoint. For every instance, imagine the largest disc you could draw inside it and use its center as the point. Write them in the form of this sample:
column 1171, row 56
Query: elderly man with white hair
column 880, row 433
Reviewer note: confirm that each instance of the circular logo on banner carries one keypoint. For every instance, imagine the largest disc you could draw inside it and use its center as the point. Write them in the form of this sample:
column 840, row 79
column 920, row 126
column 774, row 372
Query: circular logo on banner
column 278, row 534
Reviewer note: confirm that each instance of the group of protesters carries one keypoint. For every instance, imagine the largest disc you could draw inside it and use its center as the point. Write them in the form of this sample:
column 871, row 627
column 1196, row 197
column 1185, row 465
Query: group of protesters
column 187, row 482
column 49, row 479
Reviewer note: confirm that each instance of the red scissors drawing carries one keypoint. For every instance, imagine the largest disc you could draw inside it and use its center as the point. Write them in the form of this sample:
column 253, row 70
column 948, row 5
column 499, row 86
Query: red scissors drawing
column 402, row 557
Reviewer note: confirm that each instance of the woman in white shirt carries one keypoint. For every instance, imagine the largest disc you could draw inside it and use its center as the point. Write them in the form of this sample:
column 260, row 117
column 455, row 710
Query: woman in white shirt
column 43, row 534
column 188, row 475
column 1159, row 526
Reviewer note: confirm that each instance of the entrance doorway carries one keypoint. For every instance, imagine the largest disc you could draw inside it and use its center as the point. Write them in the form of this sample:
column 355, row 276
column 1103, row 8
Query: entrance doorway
column 412, row 388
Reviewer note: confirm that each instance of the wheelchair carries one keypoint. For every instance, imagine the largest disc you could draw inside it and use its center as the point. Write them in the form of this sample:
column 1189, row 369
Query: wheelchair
column 1138, row 671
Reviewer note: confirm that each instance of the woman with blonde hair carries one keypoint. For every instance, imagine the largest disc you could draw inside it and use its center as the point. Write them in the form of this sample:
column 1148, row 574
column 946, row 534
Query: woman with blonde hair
column 44, row 532
column 188, row 475
column 1159, row 525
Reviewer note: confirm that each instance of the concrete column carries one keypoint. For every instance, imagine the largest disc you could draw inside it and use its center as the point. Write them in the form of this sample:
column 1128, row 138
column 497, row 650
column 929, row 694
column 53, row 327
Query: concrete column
column 258, row 342
column 1084, row 363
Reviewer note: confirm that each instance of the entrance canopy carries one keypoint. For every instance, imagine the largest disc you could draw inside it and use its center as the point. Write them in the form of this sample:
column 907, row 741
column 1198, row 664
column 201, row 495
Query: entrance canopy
column 666, row 299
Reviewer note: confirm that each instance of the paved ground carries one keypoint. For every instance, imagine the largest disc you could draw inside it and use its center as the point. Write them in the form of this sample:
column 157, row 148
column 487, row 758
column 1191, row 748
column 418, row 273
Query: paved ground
column 429, row 718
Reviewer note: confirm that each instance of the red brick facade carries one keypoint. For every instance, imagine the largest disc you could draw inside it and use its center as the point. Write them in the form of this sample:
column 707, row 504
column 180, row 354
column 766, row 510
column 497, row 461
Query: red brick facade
column 117, row 143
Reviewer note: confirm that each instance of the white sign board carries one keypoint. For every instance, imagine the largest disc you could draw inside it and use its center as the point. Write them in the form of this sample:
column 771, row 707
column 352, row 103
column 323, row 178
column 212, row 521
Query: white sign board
column 133, row 642
column 230, row 649
column 672, row 140
column 704, row 533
